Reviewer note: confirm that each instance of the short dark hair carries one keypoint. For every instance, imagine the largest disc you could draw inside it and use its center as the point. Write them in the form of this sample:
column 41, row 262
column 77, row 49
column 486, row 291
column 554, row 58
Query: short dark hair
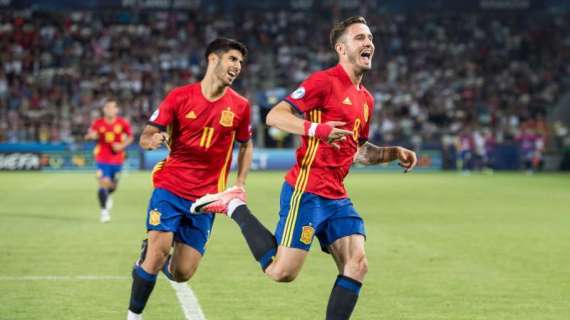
column 340, row 27
column 222, row 45
column 110, row 99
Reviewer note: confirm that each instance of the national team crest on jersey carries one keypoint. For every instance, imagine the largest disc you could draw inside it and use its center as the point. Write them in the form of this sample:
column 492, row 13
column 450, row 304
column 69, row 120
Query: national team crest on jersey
column 307, row 234
column 154, row 218
column 118, row 128
column 365, row 112
column 227, row 118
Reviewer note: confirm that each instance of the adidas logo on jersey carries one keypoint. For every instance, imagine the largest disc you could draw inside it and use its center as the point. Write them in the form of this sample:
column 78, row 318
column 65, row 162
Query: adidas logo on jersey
column 191, row 115
column 347, row 101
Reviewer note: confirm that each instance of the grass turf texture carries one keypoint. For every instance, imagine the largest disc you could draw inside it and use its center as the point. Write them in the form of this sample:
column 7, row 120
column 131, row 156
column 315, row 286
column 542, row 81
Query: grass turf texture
column 440, row 246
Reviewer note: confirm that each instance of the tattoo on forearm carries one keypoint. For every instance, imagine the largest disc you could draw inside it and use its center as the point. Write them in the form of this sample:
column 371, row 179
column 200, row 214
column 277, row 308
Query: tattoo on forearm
column 369, row 154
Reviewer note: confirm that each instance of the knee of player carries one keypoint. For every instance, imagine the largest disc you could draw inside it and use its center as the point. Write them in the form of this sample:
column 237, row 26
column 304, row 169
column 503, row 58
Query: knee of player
column 356, row 267
column 155, row 260
column 282, row 275
column 105, row 182
column 181, row 277
column 182, row 273
column 285, row 277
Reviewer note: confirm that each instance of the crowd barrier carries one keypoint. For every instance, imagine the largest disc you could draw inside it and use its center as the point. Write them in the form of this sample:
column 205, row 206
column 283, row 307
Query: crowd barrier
column 54, row 157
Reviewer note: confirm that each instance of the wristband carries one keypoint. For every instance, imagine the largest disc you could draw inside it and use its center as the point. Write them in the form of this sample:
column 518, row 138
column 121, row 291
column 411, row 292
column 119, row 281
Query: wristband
column 317, row 130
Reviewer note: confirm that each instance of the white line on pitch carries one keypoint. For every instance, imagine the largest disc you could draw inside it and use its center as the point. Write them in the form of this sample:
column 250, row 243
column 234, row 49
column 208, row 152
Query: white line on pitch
column 186, row 297
column 188, row 301
column 61, row 278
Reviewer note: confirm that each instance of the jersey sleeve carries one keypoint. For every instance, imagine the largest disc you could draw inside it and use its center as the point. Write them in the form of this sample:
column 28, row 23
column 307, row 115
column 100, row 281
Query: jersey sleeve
column 163, row 116
column 311, row 94
column 368, row 118
column 244, row 128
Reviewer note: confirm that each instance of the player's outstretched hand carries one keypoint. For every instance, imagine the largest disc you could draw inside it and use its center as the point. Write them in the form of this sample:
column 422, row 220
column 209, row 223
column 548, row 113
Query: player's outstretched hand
column 337, row 134
column 408, row 159
column 91, row 135
column 117, row 147
column 157, row 139
column 239, row 186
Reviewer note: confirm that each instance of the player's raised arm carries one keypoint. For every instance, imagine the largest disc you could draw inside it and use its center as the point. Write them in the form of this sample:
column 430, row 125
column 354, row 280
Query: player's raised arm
column 151, row 138
column 369, row 154
column 91, row 134
column 283, row 117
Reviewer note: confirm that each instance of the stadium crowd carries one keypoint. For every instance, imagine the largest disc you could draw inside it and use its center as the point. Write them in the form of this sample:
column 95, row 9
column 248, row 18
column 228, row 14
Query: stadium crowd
column 437, row 76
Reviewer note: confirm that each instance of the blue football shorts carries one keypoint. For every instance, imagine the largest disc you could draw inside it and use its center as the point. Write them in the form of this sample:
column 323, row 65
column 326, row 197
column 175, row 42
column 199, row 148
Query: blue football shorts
column 170, row 213
column 107, row 170
column 304, row 215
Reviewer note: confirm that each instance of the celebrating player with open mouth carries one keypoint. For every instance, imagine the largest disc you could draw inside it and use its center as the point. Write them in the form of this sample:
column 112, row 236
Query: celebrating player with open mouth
column 337, row 111
column 200, row 122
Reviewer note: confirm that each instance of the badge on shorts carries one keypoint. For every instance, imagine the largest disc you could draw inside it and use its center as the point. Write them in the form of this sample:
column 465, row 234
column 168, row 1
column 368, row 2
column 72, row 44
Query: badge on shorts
column 154, row 219
column 307, row 234
column 227, row 118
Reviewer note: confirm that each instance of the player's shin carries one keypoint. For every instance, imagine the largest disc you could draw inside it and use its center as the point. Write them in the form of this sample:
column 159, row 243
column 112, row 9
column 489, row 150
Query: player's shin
column 261, row 241
column 343, row 298
column 143, row 283
column 102, row 194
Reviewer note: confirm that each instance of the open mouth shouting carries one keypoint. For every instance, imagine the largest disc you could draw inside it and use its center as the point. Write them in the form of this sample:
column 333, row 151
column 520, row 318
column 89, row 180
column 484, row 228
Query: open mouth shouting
column 366, row 56
column 232, row 74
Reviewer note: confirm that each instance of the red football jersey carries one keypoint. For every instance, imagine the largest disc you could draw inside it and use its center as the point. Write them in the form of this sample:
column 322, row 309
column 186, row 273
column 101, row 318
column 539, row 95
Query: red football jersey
column 202, row 135
column 329, row 95
column 109, row 133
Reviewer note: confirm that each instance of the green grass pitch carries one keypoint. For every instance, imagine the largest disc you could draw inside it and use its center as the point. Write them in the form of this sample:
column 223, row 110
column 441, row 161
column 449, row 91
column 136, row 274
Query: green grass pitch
column 440, row 246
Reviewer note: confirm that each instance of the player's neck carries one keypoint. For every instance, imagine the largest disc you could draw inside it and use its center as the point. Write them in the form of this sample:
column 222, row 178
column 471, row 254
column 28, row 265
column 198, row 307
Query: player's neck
column 212, row 89
column 355, row 77
column 110, row 119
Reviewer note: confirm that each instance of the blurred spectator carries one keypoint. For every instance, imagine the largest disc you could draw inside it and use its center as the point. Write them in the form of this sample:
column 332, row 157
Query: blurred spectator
column 435, row 75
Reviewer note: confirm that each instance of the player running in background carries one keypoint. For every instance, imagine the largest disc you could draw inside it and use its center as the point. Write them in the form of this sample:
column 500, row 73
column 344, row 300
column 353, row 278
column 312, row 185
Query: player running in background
column 113, row 135
column 531, row 146
column 337, row 111
column 200, row 122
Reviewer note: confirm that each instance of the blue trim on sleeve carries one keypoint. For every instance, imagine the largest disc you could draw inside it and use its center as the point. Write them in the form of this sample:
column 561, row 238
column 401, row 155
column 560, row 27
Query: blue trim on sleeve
column 267, row 258
column 348, row 283
column 145, row 275
column 293, row 105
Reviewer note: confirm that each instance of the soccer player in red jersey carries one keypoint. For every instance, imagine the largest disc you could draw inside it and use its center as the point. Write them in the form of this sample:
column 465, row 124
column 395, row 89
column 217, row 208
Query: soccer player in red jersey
column 113, row 135
column 337, row 111
column 200, row 123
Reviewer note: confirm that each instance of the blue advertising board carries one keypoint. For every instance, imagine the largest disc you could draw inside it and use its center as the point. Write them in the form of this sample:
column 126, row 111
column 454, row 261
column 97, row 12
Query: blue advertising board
column 283, row 159
column 58, row 156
